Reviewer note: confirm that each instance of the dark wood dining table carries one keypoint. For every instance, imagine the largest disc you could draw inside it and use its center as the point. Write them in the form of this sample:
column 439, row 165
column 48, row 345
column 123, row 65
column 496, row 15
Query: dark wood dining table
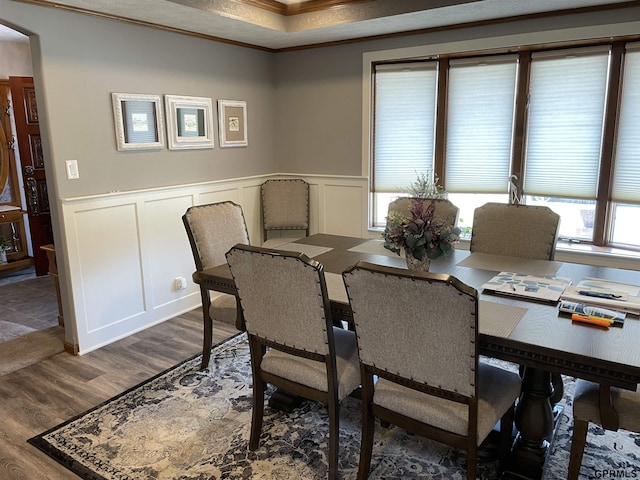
column 541, row 340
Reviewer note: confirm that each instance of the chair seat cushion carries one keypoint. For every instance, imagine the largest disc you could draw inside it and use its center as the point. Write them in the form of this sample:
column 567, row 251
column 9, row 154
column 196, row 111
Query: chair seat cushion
column 223, row 309
column 312, row 373
column 497, row 391
column 586, row 405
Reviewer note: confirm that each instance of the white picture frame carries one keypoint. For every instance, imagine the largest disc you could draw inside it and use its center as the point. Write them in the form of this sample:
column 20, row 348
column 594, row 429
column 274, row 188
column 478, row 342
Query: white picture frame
column 232, row 123
column 189, row 122
column 138, row 120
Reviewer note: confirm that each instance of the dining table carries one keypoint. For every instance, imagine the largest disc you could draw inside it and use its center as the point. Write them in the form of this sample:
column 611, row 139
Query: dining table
column 531, row 334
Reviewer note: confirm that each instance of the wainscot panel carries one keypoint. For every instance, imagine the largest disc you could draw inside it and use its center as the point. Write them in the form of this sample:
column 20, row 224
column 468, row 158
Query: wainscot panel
column 125, row 250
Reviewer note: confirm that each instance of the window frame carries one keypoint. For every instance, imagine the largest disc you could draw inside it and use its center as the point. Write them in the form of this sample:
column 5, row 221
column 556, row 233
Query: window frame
column 604, row 207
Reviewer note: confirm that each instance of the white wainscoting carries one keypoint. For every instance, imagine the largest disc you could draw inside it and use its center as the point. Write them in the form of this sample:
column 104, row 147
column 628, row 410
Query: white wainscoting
column 125, row 249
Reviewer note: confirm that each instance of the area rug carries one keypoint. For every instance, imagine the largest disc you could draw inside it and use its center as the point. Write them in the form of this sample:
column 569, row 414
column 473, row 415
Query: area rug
column 186, row 424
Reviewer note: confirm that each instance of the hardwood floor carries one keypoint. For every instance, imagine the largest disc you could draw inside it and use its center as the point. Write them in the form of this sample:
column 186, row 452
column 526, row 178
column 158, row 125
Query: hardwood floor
column 49, row 392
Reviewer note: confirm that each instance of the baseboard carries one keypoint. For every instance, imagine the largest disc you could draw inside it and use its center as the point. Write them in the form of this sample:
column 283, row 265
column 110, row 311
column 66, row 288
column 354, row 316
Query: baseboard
column 71, row 348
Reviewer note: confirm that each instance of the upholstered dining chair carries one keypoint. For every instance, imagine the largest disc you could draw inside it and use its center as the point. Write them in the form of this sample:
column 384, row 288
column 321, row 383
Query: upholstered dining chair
column 443, row 209
column 285, row 208
column 212, row 230
column 610, row 407
column 525, row 231
column 418, row 333
column 293, row 344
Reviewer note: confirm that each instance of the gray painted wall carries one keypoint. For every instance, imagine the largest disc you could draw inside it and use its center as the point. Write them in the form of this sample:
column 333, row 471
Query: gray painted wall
column 15, row 59
column 79, row 60
column 304, row 107
column 319, row 90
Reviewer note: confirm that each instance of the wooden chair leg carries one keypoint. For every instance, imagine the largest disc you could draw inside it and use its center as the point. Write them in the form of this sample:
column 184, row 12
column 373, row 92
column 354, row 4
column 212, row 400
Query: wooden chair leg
column 257, row 413
column 368, row 426
column 578, row 442
column 259, row 386
column 506, row 437
column 366, row 446
column 207, row 329
column 472, row 461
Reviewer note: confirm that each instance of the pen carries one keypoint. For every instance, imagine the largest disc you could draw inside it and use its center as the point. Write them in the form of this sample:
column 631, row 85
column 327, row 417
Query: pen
column 603, row 322
column 589, row 293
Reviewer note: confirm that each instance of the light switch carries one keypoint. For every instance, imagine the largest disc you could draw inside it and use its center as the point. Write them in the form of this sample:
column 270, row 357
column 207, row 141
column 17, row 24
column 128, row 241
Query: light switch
column 72, row 169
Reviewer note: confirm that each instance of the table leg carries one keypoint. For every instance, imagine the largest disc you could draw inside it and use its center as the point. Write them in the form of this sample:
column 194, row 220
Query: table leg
column 534, row 420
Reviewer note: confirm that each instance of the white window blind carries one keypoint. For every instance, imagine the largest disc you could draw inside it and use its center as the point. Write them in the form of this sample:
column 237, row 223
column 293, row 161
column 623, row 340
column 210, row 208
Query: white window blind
column 565, row 119
column 404, row 118
column 480, row 109
column 626, row 177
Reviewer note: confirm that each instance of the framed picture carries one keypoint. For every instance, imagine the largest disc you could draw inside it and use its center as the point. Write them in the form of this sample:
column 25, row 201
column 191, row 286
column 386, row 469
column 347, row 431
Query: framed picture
column 138, row 120
column 232, row 121
column 189, row 122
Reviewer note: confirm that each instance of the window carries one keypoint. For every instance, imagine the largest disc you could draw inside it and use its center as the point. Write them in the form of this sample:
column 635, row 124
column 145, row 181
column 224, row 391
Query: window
column 480, row 106
column 537, row 126
column 480, row 109
column 564, row 135
column 404, row 124
column 626, row 171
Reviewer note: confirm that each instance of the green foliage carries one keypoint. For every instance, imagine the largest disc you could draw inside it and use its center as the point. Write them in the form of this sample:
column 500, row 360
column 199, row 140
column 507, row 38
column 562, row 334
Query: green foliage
column 426, row 186
column 421, row 234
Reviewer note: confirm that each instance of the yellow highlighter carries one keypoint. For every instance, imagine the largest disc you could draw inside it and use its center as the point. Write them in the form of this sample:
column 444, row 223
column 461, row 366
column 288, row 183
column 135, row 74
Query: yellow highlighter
column 603, row 322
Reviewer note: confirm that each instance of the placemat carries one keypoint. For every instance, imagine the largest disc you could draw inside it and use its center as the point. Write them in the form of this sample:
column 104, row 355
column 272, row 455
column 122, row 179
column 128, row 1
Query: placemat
column 499, row 263
column 335, row 287
column 309, row 250
column 375, row 247
column 497, row 319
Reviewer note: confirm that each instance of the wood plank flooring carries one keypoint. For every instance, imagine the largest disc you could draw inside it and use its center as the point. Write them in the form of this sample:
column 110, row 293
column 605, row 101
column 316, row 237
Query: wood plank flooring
column 43, row 395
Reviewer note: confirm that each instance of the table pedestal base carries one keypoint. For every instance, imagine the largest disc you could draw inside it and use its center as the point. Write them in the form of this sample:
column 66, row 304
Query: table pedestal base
column 285, row 401
column 536, row 421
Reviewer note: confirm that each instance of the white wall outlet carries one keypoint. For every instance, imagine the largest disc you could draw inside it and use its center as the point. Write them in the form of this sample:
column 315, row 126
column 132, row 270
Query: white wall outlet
column 180, row 283
column 72, row 169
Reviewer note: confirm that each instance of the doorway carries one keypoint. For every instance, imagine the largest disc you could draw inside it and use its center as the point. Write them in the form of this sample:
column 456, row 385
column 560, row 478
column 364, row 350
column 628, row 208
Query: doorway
column 26, row 195
column 24, row 282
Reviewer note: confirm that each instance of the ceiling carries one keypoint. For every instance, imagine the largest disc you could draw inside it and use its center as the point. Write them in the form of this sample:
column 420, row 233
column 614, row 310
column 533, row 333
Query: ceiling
column 284, row 24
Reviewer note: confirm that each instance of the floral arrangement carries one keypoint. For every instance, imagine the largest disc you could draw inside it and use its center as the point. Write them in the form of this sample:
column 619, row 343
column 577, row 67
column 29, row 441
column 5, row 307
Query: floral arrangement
column 421, row 235
column 426, row 186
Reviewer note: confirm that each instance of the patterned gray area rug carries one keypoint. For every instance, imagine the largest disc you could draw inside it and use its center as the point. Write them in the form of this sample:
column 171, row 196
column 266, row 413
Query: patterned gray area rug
column 188, row 424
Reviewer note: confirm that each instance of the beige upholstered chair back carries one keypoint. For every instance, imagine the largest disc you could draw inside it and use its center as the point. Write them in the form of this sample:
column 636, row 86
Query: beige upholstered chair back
column 213, row 229
column 444, row 209
column 285, row 205
column 515, row 230
column 283, row 296
column 419, row 326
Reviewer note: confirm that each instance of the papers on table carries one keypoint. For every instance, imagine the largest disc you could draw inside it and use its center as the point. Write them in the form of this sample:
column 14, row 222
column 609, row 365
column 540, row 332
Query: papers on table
column 582, row 309
column 527, row 286
column 602, row 293
column 567, row 306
